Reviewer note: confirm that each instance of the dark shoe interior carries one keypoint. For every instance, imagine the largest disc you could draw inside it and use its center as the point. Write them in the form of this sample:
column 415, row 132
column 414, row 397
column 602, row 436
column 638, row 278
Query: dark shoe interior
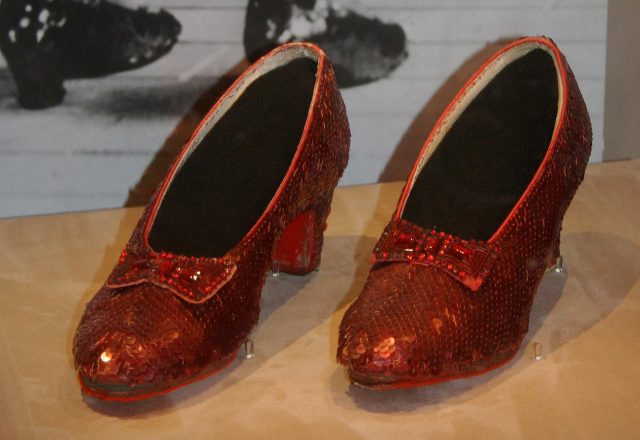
column 228, row 181
column 485, row 162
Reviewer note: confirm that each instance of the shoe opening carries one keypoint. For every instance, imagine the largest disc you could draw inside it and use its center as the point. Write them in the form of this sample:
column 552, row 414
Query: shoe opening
column 237, row 162
column 491, row 146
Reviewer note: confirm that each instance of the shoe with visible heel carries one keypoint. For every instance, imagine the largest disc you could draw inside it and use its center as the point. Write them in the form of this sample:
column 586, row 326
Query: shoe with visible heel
column 478, row 223
column 254, row 183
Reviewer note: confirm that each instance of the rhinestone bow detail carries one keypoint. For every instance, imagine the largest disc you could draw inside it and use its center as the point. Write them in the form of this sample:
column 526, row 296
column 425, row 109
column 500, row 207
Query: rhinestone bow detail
column 468, row 261
column 193, row 279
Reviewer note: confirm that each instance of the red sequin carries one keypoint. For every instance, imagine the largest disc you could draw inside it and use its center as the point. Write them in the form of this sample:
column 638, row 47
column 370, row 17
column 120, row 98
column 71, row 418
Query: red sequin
column 442, row 327
column 165, row 320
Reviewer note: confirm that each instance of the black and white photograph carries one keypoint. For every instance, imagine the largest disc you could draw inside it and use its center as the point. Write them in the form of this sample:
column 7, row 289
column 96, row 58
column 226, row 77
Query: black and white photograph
column 98, row 96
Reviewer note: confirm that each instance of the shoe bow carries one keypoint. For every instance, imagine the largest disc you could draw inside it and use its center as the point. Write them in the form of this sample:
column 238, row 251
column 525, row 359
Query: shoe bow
column 468, row 261
column 194, row 279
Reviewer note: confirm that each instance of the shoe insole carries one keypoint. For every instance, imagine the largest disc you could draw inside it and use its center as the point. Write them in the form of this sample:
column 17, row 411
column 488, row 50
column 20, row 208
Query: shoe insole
column 484, row 163
column 228, row 181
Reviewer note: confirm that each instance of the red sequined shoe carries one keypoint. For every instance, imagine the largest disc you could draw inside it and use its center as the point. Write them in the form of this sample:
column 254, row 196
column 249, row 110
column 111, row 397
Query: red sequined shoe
column 253, row 184
column 455, row 272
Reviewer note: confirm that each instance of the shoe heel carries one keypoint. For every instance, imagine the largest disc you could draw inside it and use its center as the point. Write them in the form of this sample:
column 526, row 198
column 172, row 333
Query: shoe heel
column 299, row 248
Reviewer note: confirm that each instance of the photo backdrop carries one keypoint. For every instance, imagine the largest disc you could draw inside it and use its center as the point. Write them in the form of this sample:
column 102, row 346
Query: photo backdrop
column 108, row 140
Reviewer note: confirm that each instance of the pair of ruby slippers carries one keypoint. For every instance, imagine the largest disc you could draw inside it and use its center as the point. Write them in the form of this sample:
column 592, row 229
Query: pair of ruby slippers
column 453, row 275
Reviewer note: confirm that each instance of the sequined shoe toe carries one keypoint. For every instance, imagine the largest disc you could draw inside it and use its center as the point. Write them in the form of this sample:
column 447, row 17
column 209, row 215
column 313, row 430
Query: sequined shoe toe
column 253, row 185
column 478, row 223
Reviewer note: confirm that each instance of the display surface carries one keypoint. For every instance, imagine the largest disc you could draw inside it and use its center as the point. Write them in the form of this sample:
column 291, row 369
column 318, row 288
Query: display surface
column 455, row 272
column 186, row 290
column 586, row 386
